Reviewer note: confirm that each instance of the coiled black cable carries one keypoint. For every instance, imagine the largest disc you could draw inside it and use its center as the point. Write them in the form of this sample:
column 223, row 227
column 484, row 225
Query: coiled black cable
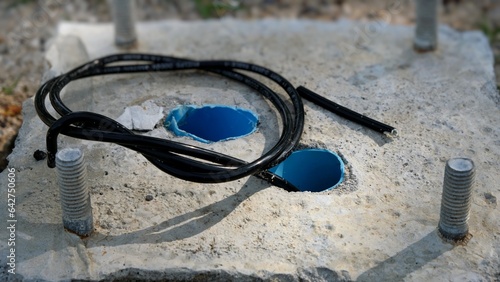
column 184, row 161
column 180, row 160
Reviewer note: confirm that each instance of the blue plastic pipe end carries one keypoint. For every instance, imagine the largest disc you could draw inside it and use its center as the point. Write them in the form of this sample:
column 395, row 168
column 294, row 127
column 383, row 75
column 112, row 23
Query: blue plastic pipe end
column 211, row 123
column 313, row 170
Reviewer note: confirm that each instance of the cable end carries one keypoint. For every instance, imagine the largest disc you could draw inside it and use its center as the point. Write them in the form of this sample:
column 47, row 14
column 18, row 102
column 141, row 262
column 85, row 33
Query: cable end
column 392, row 134
column 51, row 160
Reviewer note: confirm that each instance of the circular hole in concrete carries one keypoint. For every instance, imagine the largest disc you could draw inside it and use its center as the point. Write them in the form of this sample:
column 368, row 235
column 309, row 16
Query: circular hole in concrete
column 211, row 123
column 313, row 170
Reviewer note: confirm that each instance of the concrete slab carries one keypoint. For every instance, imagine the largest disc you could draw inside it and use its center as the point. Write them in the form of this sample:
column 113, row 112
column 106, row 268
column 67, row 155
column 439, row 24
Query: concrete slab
column 379, row 225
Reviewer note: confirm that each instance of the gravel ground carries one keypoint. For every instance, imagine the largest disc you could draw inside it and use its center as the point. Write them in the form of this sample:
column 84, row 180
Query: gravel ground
column 27, row 26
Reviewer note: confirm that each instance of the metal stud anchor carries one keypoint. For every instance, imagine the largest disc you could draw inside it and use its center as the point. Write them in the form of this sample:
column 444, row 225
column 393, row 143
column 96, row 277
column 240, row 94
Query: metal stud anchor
column 74, row 192
column 123, row 17
column 456, row 200
column 426, row 29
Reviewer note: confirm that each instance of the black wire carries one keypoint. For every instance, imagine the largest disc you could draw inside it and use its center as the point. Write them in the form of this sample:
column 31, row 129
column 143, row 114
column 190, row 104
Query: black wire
column 184, row 161
column 345, row 112
column 180, row 160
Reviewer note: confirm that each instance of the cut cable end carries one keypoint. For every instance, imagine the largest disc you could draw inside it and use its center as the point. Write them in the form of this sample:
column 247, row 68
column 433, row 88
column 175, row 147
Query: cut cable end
column 392, row 134
column 51, row 159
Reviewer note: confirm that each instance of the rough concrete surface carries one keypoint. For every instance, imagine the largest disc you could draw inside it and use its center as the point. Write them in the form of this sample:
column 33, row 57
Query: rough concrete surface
column 379, row 225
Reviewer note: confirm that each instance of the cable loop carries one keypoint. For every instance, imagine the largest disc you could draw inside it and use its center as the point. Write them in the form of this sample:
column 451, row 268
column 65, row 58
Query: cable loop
column 184, row 161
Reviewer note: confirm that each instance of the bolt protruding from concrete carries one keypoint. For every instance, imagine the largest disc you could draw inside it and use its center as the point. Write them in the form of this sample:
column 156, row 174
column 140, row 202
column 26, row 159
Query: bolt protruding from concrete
column 426, row 26
column 75, row 197
column 456, row 200
column 124, row 19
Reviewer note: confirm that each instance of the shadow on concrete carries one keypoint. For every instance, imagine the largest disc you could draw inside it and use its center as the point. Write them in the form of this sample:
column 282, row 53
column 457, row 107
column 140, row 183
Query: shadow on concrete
column 31, row 245
column 185, row 225
column 409, row 260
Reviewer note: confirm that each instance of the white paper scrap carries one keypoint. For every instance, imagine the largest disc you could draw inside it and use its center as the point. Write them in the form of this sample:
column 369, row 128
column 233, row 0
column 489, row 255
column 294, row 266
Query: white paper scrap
column 143, row 117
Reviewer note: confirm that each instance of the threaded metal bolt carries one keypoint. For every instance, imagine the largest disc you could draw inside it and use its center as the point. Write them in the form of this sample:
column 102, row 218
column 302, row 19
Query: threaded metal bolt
column 75, row 197
column 426, row 29
column 123, row 17
column 456, row 200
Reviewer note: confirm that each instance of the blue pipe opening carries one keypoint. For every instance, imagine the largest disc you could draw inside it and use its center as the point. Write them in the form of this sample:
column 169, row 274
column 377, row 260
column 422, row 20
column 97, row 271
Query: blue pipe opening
column 211, row 123
column 313, row 170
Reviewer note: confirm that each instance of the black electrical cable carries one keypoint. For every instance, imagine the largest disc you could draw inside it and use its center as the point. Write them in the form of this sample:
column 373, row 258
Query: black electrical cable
column 180, row 160
column 345, row 112
column 184, row 161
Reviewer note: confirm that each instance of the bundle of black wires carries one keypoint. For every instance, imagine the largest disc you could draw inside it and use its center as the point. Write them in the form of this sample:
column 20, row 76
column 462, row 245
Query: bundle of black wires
column 184, row 161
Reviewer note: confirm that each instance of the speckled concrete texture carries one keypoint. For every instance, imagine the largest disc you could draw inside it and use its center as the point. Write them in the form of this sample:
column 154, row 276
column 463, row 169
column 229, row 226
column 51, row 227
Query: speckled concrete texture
column 379, row 225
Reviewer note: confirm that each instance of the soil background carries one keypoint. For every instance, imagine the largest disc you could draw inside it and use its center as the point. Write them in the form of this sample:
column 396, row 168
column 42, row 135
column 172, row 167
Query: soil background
column 27, row 26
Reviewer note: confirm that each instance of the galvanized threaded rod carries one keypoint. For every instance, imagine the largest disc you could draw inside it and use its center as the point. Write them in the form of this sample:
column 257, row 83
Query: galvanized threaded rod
column 426, row 26
column 123, row 17
column 75, row 197
column 456, row 200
